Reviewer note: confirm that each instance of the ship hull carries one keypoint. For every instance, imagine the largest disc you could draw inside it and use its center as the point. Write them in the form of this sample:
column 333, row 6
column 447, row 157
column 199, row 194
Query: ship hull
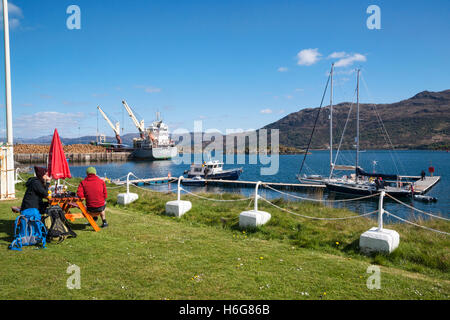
column 159, row 153
column 232, row 174
column 365, row 190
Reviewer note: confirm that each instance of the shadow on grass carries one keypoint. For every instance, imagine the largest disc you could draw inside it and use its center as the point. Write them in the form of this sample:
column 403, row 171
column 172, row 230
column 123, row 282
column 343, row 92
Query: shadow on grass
column 7, row 226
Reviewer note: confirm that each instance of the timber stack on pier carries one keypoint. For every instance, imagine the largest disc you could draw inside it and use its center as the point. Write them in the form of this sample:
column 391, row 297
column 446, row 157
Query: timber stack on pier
column 74, row 157
column 78, row 153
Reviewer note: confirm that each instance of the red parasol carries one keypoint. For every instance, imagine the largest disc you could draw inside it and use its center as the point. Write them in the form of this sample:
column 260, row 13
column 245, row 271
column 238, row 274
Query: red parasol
column 57, row 162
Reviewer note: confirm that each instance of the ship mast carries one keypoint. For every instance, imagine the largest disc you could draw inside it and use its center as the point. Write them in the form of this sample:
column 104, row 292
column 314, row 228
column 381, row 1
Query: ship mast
column 357, row 127
column 331, row 121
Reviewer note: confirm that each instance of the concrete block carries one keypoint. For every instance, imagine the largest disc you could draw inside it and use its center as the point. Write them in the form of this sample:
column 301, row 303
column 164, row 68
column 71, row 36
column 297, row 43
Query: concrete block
column 253, row 218
column 375, row 240
column 126, row 198
column 178, row 207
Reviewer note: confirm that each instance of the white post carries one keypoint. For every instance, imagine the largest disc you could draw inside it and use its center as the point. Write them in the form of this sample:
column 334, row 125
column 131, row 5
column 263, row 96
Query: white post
column 379, row 239
column 179, row 188
column 256, row 195
column 178, row 207
column 254, row 218
column 126, row 198
column 380, row 211
column 8, row 185
column 128, row 181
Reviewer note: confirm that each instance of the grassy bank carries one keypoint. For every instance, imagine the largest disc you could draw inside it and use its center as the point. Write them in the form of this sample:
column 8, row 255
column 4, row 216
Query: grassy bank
column 204, row 255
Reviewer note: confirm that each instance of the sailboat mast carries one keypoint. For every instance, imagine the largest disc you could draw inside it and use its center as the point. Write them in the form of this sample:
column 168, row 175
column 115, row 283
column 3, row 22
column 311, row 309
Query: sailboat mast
column 331, row 120
column 357, row 127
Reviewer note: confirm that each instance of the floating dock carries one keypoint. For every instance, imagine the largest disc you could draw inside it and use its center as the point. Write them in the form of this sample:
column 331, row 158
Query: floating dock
column 252, row 184
column 146, row 181
column 425, row 185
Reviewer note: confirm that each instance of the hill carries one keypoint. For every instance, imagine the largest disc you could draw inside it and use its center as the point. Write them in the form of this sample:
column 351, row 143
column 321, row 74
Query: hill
column 421, row 122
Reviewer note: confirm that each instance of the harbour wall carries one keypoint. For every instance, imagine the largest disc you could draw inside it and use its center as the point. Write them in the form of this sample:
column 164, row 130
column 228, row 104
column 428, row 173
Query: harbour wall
column 74, row 157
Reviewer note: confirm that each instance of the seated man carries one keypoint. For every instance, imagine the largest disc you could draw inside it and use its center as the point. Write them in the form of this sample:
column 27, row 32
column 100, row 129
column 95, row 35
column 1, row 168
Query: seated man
column 37, row 190
column 93, row 189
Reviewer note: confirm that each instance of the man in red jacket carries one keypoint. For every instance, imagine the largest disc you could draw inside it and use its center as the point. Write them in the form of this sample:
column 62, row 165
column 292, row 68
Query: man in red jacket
column 93, row 189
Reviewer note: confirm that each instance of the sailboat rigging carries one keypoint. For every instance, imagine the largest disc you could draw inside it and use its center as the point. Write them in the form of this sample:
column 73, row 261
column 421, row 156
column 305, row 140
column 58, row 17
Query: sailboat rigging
column 367, row 183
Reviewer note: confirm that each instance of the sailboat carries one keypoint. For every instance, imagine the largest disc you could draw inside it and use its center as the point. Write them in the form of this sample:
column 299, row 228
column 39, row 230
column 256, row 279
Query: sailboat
column 320, row 179
column 367, row 183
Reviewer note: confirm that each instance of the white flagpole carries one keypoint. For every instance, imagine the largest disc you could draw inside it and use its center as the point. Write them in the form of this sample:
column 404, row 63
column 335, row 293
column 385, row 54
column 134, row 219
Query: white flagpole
column 7, row 187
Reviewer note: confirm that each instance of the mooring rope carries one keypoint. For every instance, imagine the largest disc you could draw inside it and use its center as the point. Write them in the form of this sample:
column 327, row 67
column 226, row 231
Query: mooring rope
column 317, row 218
column 212, row 199
column 319, row 200
column 152, row 190
column 418, row 210
column 415, row 224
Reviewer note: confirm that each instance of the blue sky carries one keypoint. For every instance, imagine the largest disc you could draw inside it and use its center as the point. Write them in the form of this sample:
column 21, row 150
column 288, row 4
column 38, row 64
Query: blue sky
column 231, row 64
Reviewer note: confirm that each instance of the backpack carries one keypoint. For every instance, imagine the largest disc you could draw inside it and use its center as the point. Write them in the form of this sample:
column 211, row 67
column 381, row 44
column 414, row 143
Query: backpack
column 28, row 230
column 58, row 228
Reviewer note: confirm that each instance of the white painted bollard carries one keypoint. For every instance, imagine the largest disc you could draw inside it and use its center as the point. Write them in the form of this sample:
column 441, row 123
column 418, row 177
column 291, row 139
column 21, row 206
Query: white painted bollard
column 378, row 239
column 178, row 207
column 127, row 198
column 255, row 217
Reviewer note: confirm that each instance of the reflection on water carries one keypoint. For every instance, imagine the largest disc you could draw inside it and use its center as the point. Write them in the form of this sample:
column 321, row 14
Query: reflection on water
column 401, row 162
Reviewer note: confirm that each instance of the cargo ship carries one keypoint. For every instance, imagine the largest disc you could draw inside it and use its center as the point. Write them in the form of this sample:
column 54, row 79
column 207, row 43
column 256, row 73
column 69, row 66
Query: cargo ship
column 154, row 142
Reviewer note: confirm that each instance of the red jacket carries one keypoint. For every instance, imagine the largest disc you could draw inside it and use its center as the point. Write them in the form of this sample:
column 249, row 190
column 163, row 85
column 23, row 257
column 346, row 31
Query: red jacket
column 93, row 189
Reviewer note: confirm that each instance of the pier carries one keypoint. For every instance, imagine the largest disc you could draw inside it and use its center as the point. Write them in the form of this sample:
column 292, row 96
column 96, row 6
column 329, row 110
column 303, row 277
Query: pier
column 252, row 184
column 146, row 181
column 425, row 185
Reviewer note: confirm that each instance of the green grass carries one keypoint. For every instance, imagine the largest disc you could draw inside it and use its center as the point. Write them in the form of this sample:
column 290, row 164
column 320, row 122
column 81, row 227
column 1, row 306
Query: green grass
column 204, row 255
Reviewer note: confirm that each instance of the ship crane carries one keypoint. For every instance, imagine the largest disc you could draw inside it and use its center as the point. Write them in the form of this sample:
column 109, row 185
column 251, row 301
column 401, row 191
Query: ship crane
column 116, row 127
column 139, row 124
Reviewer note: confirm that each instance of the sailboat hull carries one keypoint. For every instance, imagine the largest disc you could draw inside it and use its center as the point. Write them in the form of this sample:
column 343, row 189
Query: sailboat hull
column 361, row 189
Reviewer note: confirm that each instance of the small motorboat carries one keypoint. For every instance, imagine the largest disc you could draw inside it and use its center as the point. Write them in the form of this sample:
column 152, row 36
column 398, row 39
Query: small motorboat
column 195, row 181
column 213, row 170
column 423, row 198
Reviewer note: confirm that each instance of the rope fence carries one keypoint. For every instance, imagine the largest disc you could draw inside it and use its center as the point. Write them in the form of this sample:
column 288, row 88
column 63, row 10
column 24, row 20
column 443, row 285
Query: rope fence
column 318, row 218
column 418, row 210
column 320, row 200
column 417, row 225
column 254, row 198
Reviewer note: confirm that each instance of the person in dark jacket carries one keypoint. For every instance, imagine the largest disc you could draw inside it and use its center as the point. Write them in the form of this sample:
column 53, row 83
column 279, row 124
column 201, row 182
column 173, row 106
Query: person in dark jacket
column 37, row 190
column 93, row 189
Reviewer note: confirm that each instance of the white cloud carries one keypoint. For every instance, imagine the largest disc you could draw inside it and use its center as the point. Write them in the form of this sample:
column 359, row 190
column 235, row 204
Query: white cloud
column 15, row 14
column 282, row 69
column 337, row 55
column 266, row 111
column 150, row 89
column 346, row 59
column 43, row 123
column 307, row 57
column 299, row 90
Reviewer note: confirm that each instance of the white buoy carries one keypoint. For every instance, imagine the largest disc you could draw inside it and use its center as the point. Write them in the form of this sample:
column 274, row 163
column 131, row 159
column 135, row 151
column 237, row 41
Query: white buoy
column 255, row 217
column 378, row 239
column 127, row 198
column 178, row 207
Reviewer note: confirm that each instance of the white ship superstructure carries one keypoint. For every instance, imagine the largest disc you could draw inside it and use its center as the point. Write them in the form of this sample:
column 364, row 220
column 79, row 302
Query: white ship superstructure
column 154, row 142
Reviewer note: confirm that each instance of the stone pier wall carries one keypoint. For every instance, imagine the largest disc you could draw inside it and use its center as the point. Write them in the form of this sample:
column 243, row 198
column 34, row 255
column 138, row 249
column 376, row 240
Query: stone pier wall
column 74, row 157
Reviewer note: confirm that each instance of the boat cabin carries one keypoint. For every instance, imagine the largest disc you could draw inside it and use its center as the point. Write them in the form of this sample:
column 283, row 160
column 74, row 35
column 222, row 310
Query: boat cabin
column 206, row 168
